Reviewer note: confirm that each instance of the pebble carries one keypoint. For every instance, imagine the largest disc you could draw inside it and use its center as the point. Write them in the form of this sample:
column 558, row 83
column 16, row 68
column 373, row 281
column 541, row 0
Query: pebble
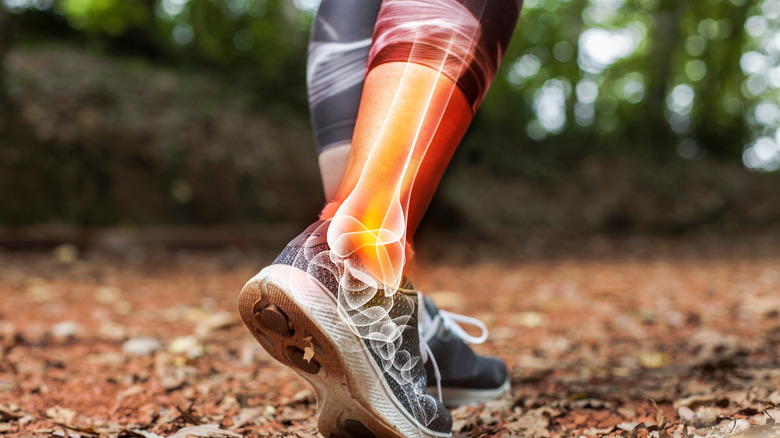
column 141, row 346
column 64, row 329
column 530, row 319
column 654, row 359
column 186, row 344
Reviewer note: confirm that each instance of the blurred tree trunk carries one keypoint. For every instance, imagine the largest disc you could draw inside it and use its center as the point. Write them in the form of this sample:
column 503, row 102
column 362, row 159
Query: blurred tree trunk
column 666, row 40
column 6, row 39
column 723, row 137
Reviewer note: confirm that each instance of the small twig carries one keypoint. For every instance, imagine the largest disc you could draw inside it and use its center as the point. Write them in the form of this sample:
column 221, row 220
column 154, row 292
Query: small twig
column 766, row 412
column 186, row 415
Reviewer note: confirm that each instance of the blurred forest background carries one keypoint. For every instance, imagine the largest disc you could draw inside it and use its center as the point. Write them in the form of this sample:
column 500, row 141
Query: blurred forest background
column 608, row 116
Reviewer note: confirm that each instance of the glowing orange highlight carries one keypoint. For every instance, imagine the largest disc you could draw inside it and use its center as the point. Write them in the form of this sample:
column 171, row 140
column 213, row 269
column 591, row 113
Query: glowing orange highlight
column 410, row 121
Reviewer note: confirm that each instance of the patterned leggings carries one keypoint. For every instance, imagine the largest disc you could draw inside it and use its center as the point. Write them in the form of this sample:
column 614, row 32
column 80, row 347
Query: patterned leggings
column 463, row 39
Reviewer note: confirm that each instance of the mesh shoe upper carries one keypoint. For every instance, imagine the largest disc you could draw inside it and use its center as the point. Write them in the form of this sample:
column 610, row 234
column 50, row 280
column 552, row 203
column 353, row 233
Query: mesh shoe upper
column 385, row 321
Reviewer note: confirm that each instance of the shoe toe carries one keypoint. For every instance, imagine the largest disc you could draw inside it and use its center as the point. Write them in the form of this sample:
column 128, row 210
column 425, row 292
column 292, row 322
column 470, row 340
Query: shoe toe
column 490, row 371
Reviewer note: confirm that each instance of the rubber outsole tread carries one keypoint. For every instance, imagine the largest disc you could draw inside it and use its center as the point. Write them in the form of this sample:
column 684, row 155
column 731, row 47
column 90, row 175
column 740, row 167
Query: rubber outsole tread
column 357, row 430
column 298, row 359
column 275, row 320
column 285, row 330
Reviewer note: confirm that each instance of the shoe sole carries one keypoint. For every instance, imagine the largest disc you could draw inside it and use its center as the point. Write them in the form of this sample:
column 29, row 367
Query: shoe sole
column 353, row 400
column 454, row 397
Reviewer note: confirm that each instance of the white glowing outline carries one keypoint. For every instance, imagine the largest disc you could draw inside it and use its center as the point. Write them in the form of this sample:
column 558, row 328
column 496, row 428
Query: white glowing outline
column 392, row 230
column 373, row 325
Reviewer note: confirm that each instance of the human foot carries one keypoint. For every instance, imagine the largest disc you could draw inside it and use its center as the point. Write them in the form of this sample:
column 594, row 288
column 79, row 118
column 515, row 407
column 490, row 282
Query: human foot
column 354, row 340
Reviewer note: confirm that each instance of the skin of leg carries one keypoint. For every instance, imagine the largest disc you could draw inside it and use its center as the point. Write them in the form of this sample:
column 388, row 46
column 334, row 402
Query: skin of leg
column 333, row 163
column 410, row 121
column 337, row 62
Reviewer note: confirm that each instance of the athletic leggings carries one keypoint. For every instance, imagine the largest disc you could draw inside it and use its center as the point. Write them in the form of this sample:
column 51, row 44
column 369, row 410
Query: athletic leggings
column 464, row 39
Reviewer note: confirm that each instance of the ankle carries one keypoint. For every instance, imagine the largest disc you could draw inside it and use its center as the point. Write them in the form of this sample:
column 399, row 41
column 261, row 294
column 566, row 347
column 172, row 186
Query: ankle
column 380, row 252
column 329, row 210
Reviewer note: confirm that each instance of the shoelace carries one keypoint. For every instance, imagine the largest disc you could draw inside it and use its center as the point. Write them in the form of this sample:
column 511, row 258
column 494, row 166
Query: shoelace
column 452, row 321
column 426, row 352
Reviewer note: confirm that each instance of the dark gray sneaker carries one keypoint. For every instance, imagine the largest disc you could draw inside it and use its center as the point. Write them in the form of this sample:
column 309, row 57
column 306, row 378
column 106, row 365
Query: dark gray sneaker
column 356, row 343
column 466, row 377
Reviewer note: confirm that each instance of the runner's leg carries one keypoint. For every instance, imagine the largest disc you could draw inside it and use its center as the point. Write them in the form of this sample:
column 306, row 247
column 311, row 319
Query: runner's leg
column 431, row 63
column 338, row 58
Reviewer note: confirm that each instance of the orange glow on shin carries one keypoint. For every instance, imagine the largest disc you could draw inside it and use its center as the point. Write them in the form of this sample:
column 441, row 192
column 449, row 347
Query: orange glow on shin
column 410, row 121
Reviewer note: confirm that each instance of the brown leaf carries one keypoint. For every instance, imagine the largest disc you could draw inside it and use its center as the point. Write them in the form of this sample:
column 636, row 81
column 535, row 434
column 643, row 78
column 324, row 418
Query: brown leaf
column 653, row 359
column 93, row 430
column 217, row 321
column 8, row 414
column 695, row 401
column 186, row 414
column 535, row 422
column 289, row 414
column 204, row 431
column 599, row 431
column 769, row 421
column 60, row 415
column 145, row 434
column 463, row 417
column 706, row 417
column 245, row 416
column 659, row 415
column 308, row 351
column 634, row 433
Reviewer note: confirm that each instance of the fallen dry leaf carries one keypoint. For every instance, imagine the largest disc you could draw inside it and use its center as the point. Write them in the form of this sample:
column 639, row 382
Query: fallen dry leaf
column 693, row 402
column 204, row 431
column 60, row 415
column 582, row 365
column 245, row 416
column 308, row 351
column 145, row 434
column 653, row 359
column 7, row 413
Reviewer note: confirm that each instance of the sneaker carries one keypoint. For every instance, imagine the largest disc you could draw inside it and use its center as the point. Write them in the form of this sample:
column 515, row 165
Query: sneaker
column 354, row 342
column 464, row 376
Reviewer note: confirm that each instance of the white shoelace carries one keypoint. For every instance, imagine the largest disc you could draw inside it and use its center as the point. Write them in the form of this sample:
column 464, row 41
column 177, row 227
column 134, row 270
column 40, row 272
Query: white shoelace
column 453, row 322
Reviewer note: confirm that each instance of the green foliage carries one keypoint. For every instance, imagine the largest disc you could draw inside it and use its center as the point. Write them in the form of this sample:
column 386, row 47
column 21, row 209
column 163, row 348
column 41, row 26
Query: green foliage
column 654, row 79
column 112, row 17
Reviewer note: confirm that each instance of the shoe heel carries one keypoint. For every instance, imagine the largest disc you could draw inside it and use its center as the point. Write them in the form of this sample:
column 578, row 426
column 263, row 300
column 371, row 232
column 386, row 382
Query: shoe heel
column 272, row 316
column 351, row 400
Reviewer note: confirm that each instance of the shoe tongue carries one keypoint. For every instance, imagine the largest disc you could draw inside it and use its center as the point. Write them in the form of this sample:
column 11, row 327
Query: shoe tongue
column 430, row 306
column 428, row 311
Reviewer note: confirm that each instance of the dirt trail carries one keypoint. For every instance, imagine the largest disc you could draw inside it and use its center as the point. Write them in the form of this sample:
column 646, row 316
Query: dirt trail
column 595, row 331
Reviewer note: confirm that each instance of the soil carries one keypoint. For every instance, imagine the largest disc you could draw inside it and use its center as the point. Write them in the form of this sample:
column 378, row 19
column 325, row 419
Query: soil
column 634, row 337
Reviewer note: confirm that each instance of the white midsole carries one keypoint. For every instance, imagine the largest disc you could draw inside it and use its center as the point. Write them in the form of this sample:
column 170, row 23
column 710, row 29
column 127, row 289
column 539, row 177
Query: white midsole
column 321, row 307
column 468, row 396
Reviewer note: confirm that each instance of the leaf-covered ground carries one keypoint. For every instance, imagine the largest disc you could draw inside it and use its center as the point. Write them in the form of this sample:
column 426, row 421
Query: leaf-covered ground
column 124, row 339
